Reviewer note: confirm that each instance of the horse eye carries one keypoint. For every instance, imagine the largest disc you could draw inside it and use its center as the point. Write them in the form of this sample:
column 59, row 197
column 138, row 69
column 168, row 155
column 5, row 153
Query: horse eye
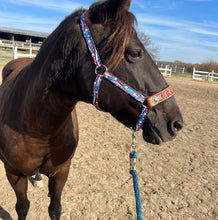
column 134, row 53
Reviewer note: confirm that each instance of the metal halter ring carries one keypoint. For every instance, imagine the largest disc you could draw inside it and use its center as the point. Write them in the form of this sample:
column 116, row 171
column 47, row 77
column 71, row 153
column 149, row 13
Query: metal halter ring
column 100, row 69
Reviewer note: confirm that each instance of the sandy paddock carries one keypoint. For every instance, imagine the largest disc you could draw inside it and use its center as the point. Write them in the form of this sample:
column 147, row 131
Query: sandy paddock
column 178, row 180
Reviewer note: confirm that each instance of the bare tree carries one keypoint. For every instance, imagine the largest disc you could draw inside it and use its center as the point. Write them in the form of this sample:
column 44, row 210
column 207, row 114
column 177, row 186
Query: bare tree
column 208, row 66
column 149, row 45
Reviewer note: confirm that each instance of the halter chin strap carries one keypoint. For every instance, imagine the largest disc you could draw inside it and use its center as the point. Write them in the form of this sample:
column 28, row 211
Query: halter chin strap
column 152, row 101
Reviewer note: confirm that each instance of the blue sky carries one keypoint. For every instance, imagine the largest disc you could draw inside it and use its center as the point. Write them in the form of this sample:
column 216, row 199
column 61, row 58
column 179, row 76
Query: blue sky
column 185, row 30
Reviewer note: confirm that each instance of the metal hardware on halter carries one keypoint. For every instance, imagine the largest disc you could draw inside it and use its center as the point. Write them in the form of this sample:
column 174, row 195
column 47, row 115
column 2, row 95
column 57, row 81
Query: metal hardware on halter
column 133, row 145
column 160, row 97
column 155, row 99
column 132, row 163
column 99, row 68
column 133, row 149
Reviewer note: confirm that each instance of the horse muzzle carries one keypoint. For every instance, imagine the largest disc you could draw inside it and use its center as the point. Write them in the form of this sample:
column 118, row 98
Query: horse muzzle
column 160, row 127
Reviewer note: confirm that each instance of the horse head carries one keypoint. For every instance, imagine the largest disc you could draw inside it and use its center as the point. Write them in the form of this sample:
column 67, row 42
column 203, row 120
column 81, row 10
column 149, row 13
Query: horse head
column 111, row 25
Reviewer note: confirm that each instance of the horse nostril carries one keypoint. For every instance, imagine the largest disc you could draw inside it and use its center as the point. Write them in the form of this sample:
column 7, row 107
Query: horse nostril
column 177, row 126
column 174, row 127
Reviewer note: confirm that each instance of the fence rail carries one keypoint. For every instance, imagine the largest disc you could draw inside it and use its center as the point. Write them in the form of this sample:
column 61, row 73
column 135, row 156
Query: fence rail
column 203, row 75
column 178, row 69
column 174, row 68
column 19, row 44
column 16, row 54
column 166, row 71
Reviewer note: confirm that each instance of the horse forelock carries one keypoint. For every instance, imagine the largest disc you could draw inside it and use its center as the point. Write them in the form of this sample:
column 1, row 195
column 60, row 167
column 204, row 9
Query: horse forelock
column 122, row 29
column 122, row 33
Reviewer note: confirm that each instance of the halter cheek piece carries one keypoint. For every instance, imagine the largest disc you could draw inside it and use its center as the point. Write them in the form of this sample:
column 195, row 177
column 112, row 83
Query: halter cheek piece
column 151, row 101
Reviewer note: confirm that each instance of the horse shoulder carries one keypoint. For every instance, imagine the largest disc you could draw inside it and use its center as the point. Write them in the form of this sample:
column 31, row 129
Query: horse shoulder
column 20, row 152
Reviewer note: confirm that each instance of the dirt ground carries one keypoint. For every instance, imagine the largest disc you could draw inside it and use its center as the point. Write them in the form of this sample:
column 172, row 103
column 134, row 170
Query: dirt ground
column 177, row 180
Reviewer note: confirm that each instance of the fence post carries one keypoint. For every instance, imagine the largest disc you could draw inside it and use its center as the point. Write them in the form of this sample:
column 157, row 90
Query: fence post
column 165, row 70
column 193, row 76
column 31, row 52
column 208, row 76
column 15, row 52
column 211, row 76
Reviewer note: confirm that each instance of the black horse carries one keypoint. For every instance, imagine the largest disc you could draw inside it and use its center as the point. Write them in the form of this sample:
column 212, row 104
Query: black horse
column 38, row 123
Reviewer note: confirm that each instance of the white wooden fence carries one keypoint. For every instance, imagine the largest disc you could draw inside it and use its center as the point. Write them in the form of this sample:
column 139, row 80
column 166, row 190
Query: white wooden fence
column 16, row 54
column 167, row 71
column 203, row 75
column 19, row 44
column 174, row 68
column 178, row 69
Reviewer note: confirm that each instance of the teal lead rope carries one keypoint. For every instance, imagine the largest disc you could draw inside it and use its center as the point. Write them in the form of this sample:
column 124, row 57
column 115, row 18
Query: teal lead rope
column 133, row 157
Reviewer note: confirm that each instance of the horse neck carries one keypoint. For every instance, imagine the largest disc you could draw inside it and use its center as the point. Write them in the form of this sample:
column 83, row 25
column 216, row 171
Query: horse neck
column 62, row 57
column 38, row 111
column 54, row 86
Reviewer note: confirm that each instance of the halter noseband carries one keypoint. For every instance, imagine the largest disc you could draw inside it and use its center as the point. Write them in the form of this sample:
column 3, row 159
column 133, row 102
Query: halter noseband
column 151, row 101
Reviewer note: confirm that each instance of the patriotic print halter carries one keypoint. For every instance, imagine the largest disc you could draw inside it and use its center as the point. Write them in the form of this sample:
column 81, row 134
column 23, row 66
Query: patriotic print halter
column 152, row 101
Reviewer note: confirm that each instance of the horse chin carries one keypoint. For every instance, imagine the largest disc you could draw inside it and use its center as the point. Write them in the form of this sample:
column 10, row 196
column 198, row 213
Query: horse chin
column 151, row 135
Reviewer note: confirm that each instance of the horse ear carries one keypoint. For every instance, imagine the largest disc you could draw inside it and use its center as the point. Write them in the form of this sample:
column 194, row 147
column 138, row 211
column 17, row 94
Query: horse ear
column 120, row 5
column 104, row 10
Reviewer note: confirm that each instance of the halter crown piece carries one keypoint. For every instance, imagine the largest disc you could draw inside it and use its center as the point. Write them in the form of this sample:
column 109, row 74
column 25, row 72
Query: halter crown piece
column 152, row 101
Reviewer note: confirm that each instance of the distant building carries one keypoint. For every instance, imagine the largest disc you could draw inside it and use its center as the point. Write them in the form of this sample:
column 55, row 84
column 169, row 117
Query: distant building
column 18, row 39
column 23, row 39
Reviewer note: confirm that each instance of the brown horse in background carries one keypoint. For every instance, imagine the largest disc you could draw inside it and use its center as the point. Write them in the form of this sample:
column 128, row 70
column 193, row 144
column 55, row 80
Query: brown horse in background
column 13, row 68
column 38, row 123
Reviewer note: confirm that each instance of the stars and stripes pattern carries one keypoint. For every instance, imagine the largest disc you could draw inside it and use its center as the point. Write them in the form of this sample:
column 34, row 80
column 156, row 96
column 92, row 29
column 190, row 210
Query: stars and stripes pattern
column 89, row 40
column 123, row 86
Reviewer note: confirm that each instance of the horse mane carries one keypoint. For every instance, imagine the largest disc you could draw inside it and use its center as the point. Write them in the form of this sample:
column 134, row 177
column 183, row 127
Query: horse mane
column 122, row 25
column 122, row 28
column 61, row 40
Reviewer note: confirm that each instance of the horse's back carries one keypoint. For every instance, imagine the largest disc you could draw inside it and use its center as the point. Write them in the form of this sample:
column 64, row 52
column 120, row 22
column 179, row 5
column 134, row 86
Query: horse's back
column 13, row 68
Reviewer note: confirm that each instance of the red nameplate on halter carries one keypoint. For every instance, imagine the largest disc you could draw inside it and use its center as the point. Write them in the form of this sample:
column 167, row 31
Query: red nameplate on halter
column 160, row 97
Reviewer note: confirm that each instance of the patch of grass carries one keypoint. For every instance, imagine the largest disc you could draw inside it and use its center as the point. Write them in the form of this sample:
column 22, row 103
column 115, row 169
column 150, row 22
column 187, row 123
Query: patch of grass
column 182, row 75
column 5, row 60
column 6, row 55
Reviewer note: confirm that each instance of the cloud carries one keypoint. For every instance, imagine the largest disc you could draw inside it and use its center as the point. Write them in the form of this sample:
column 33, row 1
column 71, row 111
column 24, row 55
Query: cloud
column 158, row 5
column 211, row 44
column 195, row 27
column 65, row 5
column 21, row 18
column 33, row 21
column 191, row 53
column 28, row 22
column 181, row 39
column 203, row 31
